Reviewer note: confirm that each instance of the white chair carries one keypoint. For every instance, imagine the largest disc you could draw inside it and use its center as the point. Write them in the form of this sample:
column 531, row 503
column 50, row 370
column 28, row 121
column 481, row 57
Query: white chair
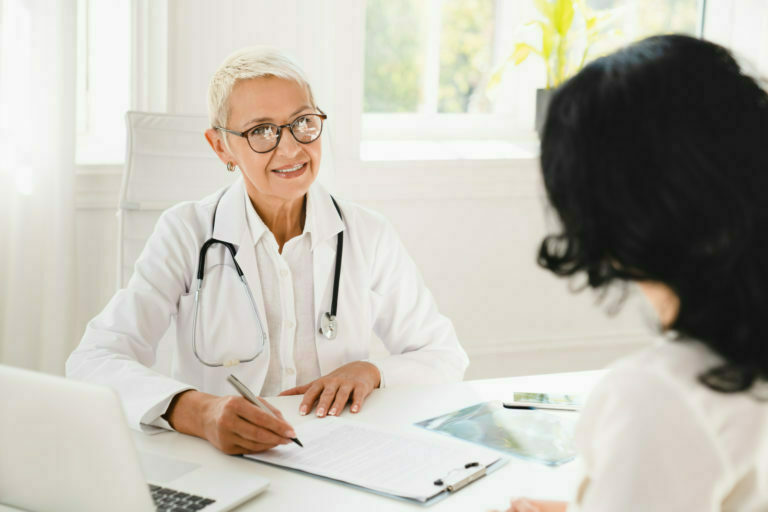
column 168, row 161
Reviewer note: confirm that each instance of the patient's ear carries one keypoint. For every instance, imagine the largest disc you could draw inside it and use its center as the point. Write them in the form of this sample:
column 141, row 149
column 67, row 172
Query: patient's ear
column 214, row 138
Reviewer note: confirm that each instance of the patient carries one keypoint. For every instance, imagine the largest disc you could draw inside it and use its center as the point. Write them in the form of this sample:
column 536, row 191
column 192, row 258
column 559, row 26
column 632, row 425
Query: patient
column 656, row 161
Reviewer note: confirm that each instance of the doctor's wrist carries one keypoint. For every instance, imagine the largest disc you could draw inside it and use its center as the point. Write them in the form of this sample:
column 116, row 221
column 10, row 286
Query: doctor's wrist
column 185, row 411
column 376, row 374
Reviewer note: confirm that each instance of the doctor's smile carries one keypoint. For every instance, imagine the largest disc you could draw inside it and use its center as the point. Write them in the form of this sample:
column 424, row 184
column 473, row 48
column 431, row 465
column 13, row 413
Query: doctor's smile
column 292, row 171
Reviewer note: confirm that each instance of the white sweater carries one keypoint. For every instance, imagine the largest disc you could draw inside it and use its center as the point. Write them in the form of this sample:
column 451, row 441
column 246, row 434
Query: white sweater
column 652, row 438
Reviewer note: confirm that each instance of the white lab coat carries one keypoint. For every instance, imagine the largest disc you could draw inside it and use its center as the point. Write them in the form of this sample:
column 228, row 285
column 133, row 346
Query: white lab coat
column 381, row 292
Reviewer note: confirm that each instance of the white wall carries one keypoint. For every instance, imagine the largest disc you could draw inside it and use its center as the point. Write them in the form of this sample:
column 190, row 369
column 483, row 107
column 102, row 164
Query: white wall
column 741, row 26
column 472, row 226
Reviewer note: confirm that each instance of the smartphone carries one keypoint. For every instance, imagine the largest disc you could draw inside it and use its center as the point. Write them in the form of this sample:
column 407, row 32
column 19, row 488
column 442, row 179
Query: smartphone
column 549, row 401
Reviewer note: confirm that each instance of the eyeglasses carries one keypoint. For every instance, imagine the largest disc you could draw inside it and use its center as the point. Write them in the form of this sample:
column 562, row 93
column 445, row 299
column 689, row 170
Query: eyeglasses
column 263, row 138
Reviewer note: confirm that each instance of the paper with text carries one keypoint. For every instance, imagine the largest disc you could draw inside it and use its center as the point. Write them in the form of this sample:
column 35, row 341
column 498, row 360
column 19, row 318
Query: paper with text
column 402, row 464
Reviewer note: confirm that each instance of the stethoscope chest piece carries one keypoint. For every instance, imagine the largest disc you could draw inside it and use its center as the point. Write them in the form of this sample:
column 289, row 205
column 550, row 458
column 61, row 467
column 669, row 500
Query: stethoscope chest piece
column 328, row 326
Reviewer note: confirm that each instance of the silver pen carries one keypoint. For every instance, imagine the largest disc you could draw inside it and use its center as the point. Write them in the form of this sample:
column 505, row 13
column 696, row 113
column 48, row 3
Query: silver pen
column 535, row 405
column 248, row 395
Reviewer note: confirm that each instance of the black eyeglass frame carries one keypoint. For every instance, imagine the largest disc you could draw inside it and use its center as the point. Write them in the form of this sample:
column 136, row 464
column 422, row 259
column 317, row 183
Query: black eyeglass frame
column 279, row 128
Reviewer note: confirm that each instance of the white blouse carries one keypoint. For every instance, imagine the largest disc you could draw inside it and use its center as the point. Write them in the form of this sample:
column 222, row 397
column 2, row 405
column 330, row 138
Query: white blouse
column 287, row 287
column 652, row 438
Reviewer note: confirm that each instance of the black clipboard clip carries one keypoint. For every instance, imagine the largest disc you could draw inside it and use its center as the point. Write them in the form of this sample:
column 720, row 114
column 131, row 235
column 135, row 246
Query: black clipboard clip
column 456, row 486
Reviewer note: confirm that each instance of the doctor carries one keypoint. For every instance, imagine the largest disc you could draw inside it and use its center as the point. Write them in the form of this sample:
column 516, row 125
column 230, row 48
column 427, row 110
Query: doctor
column 321, row 277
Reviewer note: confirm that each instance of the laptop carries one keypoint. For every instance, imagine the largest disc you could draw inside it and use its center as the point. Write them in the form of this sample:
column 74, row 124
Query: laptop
column 66, row 446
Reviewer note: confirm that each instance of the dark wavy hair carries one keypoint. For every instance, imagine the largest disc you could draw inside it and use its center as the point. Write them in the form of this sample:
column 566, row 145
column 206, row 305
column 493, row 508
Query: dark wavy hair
column 656, row 160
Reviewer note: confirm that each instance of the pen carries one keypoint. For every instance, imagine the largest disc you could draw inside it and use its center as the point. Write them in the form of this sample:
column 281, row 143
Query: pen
column 248, row 395
column 548, row 407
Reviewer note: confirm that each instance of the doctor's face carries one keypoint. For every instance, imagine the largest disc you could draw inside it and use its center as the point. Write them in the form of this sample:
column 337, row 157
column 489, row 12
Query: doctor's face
column 286, row 172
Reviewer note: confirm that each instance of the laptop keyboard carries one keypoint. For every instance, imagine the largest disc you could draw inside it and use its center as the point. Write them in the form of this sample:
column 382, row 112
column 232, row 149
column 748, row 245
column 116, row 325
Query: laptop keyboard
column 168, row 500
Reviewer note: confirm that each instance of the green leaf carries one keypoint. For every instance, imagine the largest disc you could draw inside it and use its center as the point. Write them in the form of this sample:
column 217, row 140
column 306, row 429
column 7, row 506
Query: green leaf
column 563, row 16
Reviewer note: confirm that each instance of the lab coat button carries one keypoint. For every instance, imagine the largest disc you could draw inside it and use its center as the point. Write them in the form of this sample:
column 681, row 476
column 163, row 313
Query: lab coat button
column 290, row 371
column 289, row 324
column 284, row 273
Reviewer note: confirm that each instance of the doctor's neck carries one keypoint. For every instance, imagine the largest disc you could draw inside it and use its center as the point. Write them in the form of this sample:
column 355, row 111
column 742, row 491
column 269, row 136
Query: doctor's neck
column 284, row 218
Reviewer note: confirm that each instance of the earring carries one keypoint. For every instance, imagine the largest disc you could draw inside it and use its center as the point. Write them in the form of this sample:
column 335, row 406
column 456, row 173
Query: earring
column 230, row 167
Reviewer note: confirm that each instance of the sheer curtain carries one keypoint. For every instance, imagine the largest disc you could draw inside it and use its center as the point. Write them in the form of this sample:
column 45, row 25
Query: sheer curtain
column 37, row 136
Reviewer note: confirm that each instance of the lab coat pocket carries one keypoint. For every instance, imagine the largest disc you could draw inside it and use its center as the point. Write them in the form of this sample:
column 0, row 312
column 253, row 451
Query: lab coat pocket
column 183, row 359
column 375, row 301
column 377, row 349
column 184, row 314
column 227, row 326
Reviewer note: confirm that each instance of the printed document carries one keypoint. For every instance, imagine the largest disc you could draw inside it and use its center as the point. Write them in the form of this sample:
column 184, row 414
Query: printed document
column 400, row 463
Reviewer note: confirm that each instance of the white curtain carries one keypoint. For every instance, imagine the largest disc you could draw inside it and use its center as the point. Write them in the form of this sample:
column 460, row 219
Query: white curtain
column 37, row 137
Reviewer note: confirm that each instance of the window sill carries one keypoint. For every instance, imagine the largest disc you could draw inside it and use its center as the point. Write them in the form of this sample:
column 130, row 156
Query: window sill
column 426, row 150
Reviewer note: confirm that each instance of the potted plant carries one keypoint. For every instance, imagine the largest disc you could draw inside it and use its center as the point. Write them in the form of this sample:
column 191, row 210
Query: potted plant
column 569, row 31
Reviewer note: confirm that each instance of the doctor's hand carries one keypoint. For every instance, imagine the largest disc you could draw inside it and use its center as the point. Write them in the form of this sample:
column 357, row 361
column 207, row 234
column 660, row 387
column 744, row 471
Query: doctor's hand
column 353, row 381
column 230, row 423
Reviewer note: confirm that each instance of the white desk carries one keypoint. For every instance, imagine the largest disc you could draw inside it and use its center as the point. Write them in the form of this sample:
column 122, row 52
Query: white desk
column 289, row 490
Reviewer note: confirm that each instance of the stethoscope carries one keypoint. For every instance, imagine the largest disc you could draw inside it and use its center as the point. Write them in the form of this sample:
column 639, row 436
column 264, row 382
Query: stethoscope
column 328, row 323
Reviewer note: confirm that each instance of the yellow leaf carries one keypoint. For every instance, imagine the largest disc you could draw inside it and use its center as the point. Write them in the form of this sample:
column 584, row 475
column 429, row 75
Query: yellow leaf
column 563, row 16
column 495, row 78
column 547, row 37
column 545, row 8
column 522, row 51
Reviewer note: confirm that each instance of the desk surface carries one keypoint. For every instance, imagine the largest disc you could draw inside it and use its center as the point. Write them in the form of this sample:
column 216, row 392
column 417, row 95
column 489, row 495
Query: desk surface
column 289, row 490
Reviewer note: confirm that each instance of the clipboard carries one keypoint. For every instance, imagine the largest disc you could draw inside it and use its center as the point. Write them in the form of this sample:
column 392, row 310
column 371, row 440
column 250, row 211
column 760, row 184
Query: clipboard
column 446, row 491
column 407, row 464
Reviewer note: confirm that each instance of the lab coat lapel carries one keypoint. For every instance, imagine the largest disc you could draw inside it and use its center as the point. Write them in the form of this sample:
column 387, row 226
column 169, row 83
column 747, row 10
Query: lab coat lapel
column 232, row 226
column 326, row 225
column 246, row 258
column 329, row 352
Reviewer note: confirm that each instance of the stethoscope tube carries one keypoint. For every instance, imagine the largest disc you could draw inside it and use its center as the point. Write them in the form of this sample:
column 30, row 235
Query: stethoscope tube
column 328, row 323
column 200, row 270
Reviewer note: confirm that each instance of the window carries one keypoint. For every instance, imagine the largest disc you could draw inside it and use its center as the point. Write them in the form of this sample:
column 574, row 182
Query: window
column 428, row 56
column 434, row 70
column 103, row 80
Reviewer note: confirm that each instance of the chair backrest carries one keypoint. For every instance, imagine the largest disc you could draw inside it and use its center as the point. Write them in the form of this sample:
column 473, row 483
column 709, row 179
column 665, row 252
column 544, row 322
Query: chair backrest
column 168, row 161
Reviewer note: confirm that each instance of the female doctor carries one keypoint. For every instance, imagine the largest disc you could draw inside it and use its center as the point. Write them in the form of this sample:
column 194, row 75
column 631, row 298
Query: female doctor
column 320, row 277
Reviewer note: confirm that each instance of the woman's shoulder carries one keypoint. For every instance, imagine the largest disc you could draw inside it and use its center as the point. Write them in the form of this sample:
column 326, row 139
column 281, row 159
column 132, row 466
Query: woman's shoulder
column 678, row 364
column 667, row 375
column 679, row 360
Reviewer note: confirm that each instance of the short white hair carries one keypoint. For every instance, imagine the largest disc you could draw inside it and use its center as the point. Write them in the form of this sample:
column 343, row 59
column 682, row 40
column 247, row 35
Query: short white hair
column 244, row 64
